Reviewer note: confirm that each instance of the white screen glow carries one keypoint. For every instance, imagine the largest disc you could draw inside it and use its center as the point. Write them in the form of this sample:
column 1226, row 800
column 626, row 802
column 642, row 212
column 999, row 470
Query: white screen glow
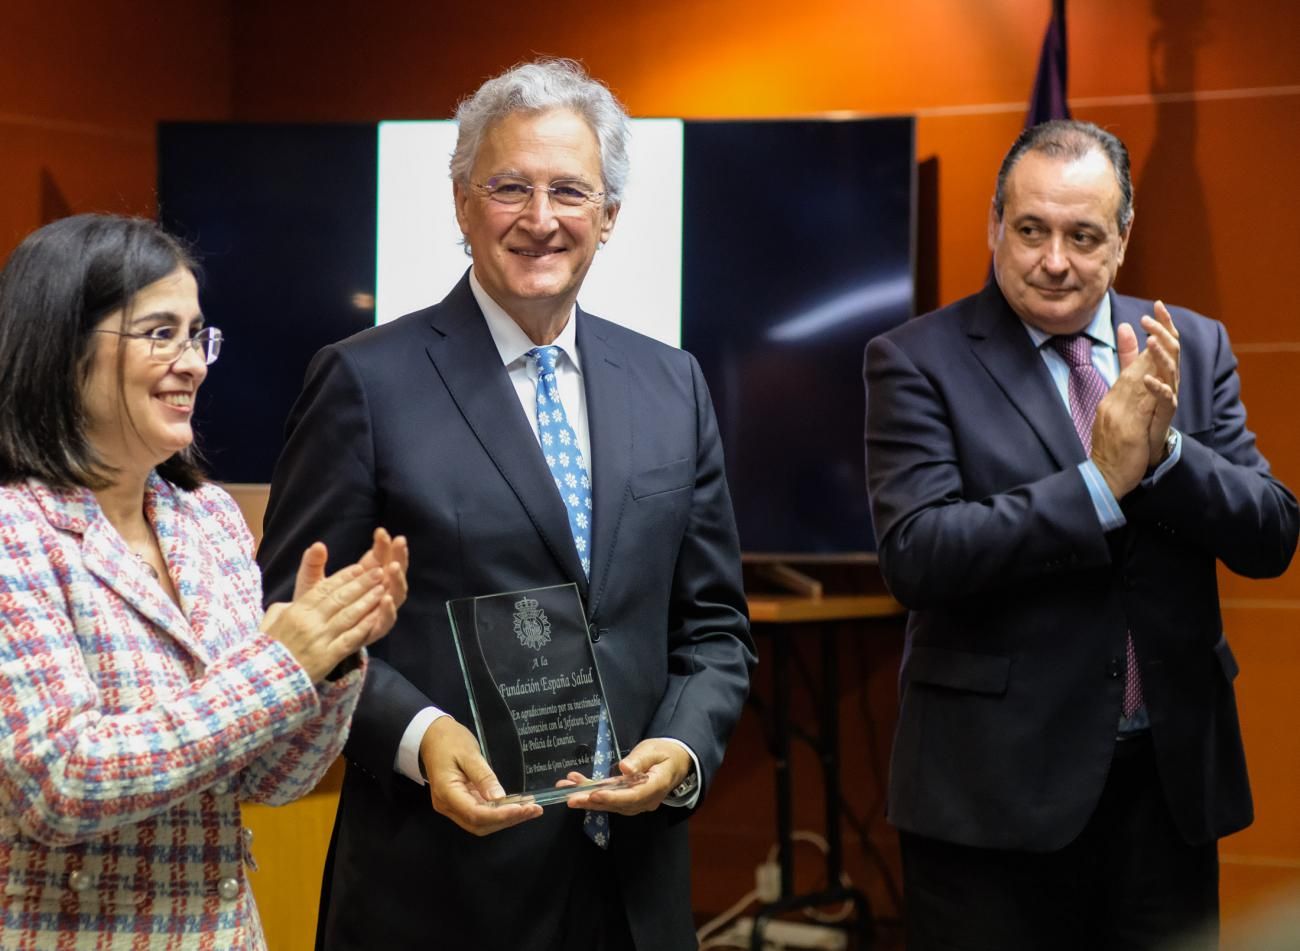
column 636, row 279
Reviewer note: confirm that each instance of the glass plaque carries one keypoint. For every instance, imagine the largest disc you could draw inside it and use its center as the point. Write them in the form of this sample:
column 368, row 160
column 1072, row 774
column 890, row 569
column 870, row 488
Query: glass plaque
column 534, row 689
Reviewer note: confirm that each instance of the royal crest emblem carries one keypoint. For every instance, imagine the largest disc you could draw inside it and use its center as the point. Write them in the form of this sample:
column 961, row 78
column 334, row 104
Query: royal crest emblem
column 531, row 626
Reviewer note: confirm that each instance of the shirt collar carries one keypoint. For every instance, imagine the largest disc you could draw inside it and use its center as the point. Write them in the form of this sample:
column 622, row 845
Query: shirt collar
column 1100, row 328
column 511, row 341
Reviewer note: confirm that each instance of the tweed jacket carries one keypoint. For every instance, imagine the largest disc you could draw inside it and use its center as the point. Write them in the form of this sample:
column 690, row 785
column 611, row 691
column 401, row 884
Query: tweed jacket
column 130, row 730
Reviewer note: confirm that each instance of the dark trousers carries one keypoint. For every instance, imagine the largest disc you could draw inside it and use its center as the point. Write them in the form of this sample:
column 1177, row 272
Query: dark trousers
column 1129, row 881
column 594, row 917
column 588, row 911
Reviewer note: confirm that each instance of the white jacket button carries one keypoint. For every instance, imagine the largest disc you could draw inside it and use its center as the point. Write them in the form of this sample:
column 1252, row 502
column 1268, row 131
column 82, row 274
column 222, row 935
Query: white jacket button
column 79, row 880
column 228, row 889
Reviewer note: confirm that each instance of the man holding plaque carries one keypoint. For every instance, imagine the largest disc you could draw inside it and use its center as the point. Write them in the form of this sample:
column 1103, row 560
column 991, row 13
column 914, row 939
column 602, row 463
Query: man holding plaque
column 555, row 474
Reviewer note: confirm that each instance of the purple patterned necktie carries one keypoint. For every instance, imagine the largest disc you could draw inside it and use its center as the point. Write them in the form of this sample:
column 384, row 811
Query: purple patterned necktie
column 1087, row 387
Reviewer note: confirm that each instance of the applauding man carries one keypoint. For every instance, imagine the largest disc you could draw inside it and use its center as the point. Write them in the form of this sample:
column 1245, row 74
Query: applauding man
column 1055, row 471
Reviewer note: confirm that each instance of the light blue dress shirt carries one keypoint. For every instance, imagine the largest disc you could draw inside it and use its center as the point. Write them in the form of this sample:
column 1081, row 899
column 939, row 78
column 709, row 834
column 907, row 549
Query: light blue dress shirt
column 1105, row 358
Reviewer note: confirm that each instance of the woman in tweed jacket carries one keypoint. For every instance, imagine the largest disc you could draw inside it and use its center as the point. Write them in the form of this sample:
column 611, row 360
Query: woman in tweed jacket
column 143, row 693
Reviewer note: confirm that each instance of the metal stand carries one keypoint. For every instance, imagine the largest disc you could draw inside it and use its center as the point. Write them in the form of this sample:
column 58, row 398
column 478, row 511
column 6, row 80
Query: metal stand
column 826, row 744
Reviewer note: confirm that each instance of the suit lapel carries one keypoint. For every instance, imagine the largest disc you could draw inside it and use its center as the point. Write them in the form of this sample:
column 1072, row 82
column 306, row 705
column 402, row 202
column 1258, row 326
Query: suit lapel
column 106, row 556
column 1000, row 342
column 1127, row 310
column 469, row 364
column 189, row 562
column 609, row 422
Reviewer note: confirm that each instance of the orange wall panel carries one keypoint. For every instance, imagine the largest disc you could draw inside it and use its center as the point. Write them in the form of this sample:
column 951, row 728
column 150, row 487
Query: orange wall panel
column 82, row 86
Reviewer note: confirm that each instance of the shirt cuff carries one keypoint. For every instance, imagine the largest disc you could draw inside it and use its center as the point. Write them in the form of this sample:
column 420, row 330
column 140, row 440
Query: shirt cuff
column 1103, row 500
column 686, row 802
column 1175, row 453
column 408, row 751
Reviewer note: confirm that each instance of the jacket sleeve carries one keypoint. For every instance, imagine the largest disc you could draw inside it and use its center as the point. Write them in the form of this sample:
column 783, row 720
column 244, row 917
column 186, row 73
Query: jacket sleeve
column 710, row 651
column 936, row 543
column 289, row 767
column 325, row 489
column 68, row 770
column 1221, row 496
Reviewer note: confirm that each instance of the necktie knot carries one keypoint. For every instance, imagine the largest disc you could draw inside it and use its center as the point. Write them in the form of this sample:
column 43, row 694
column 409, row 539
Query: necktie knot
column 1075, row 349
column 546, row 357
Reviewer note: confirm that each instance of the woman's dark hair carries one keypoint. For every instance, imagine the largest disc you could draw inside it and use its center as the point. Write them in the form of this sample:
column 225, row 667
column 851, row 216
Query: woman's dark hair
column 56, row 286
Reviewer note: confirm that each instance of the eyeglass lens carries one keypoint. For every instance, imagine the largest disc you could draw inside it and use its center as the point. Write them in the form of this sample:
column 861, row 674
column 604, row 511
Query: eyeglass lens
column 206, row 342
column 512, row 191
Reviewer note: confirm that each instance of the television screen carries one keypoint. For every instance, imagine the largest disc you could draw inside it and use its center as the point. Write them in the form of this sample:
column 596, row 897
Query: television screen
column 283, row 220
column 797, row 249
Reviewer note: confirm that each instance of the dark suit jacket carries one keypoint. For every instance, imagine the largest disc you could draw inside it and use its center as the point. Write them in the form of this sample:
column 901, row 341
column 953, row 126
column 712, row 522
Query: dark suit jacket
column 415, row 426
column 1013, row 669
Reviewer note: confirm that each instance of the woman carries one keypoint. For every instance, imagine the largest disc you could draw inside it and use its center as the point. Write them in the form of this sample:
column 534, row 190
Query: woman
column 143, row 693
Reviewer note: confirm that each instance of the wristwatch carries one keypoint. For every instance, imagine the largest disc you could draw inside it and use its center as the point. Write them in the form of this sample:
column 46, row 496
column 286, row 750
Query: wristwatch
column 1171, row 440
column 687, row 786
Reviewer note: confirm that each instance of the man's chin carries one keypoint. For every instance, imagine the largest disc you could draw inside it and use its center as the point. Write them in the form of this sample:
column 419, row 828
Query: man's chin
column 1058, row 316
column 538, row 288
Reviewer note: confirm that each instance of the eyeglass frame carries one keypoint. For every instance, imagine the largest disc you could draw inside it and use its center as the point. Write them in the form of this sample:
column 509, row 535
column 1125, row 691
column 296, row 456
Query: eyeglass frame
column 490, row 191
column 201, row 342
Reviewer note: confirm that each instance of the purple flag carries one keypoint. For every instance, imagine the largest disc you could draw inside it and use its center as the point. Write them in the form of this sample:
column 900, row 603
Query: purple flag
column 1048, row 100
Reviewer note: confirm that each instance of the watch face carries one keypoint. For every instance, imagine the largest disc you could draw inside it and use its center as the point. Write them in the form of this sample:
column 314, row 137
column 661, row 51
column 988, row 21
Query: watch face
column 687, row 785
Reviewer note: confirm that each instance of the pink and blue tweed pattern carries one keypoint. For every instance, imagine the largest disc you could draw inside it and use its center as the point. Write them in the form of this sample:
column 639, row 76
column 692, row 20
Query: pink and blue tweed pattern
column 130, row 730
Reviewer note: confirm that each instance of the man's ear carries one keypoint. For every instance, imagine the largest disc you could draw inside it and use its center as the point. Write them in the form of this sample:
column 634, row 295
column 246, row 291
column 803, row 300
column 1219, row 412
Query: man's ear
column 608, row 216
column 1123, row 238
column 460, row 196
column 995, row 225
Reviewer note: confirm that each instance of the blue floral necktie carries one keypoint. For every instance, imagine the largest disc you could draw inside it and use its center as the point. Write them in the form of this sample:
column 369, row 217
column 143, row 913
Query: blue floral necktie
column 569, row 469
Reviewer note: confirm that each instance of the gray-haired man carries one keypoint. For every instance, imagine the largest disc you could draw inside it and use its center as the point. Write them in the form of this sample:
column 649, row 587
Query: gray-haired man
column 430, row 426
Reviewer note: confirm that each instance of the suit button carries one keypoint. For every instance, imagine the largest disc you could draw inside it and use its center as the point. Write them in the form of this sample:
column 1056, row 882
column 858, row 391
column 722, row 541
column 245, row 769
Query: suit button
column 247, row 835
column 221, row 787
column 228, row 889
column 597, row 633
column 1114, row 669
column 79, row 881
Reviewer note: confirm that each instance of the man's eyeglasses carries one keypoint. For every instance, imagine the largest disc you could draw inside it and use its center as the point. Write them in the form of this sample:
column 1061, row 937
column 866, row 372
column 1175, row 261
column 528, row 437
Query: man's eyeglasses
column 513, row 192
column 166, row 345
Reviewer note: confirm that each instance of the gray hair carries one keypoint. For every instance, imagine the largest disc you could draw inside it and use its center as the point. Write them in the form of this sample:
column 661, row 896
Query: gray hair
column 1071, row 139
column 539, row 87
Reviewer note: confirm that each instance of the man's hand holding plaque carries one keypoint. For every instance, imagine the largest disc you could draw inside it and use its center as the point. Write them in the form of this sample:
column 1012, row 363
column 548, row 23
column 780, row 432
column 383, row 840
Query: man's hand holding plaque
column 462, row 785
column 653, row 769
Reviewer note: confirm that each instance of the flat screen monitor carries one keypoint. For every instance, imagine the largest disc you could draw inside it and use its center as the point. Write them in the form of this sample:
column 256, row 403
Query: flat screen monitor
column 797, row 243
column 282, row 218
